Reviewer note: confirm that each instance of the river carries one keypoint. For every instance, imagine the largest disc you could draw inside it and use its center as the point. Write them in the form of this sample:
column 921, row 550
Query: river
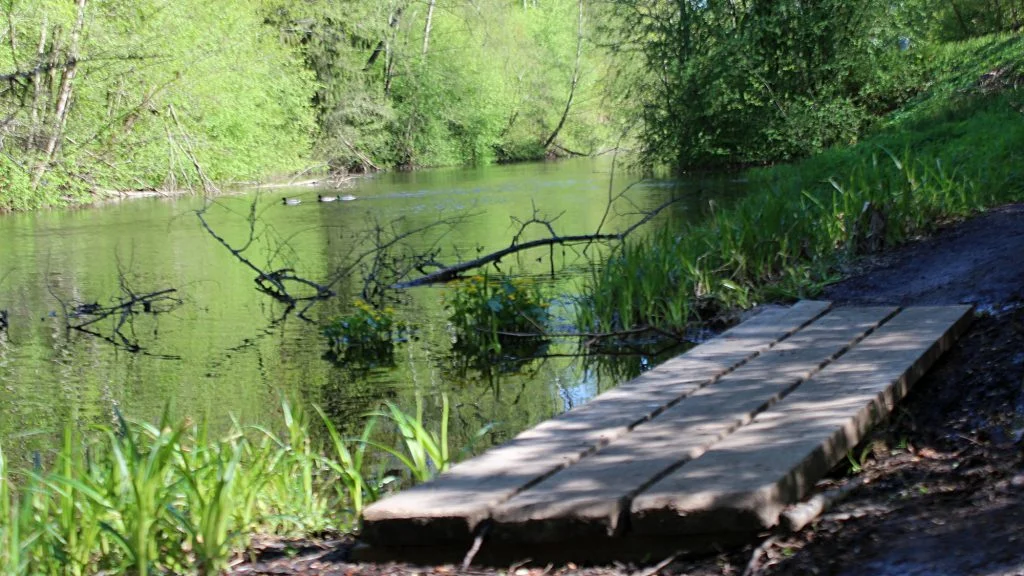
column 228, row 351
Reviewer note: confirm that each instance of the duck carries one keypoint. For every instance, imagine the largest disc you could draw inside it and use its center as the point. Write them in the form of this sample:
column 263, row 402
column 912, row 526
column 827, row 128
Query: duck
column 291, row 201
column 326, row 198
column 346, row 198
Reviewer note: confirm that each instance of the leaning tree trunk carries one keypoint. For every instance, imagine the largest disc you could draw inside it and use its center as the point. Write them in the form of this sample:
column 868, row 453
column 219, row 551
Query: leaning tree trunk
column 37, row 87
column 426, row 28
column 575, row 79
column 60, row 111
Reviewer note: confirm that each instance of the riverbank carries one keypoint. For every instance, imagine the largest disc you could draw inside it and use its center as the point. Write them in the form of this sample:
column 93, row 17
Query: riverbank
column 919, row 213
column 948, row 465
column 949, row 153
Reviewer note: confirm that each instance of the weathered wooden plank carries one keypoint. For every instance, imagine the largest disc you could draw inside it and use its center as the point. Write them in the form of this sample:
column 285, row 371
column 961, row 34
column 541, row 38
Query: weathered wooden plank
column 450, row 507
column 591, row 497
column 743, row 483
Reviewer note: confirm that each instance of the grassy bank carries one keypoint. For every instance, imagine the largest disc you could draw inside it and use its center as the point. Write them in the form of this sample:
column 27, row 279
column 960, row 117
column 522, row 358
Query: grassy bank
column 953, row 150
column 169, row 498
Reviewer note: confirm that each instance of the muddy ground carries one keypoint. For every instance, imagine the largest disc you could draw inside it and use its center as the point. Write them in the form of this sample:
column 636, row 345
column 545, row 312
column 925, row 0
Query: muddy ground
column 943, row 482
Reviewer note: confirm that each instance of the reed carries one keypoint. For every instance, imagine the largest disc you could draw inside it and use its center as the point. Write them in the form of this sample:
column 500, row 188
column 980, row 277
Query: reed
column 143, row 498
column 773, row 244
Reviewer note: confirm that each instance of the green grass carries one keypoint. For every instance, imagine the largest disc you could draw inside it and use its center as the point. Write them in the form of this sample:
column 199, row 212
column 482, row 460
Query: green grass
column 145, row 498
column 955, row 149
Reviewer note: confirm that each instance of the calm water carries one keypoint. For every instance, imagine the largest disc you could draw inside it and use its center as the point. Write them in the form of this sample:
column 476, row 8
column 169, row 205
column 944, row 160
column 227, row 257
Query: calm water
column 229, row 351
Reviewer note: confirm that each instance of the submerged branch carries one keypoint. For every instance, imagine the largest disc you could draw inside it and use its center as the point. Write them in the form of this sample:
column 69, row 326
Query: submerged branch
column 270, row 282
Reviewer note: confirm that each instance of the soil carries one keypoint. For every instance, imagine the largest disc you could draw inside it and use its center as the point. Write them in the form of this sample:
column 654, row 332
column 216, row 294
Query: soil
column 942, row 487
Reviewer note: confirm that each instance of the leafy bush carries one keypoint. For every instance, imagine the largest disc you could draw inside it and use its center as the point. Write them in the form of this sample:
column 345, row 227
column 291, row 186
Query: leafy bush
column 762, row 81
column 366, row 336
column 494, row 316
column 15, row 186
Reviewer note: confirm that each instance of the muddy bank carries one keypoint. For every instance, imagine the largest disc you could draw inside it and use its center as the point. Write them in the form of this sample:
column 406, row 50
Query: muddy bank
column 979, row 261
column 944, row 480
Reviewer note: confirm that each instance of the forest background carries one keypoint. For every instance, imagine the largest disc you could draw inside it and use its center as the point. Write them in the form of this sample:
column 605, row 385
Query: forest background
column 103, row 95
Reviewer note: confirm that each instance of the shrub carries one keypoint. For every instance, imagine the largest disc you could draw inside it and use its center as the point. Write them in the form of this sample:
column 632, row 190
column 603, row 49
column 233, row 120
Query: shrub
column 495, row 316
column 365, row 336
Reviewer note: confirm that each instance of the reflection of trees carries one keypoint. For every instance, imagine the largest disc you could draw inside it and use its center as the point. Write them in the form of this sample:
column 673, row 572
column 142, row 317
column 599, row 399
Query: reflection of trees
column 612, row 368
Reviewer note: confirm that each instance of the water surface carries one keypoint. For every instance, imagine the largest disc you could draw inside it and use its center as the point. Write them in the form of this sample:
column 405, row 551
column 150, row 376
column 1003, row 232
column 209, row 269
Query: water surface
column 230, row 351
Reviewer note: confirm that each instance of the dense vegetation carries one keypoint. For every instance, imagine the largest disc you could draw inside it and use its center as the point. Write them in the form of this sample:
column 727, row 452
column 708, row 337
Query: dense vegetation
column 106, row 95
column 910, row 113
column 953, row 149
column 170, row 498
column 729, row 83
column 103, row 94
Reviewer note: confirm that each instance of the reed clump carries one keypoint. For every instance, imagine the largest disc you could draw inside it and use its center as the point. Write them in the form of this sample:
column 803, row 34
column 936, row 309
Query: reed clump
column 145, row 498
column 775, row 244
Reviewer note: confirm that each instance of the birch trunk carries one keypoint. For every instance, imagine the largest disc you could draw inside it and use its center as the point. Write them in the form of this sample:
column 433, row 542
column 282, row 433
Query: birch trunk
column 60, row 113
column 426, row 28
column 37, row 87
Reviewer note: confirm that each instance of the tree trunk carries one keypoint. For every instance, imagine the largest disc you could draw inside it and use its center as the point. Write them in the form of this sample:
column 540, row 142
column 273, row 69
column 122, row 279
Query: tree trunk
column 382, row 45
column 60, row 113
column 575, row 78
column 426, row 28
column 37, row 86
column 960, row 19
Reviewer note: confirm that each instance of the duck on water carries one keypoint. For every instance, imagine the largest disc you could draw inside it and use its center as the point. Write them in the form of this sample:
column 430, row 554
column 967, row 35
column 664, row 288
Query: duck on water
column 297, row 201
column 345, row 198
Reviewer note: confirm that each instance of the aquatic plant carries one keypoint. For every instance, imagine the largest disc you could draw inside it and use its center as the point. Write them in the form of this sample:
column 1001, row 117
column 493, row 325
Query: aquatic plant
column 491, row 315
column 365, row 336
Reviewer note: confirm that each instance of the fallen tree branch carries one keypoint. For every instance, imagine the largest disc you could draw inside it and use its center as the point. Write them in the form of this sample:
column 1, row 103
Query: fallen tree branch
column 451, row 272
column 270, row 282
column 795, row 517
column 122, row 312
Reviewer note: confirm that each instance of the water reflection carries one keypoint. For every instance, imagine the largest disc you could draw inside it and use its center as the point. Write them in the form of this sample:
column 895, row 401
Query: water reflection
column 241, row 352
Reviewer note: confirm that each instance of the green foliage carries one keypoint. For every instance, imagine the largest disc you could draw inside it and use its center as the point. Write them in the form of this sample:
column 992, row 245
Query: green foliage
column 492, row 317
column 108, row 95
column 366, row 336
column 773, row 244
column 488, row 83
column 739, row 83
column 789, row 238
column 136, row 96
column 142, row 498
column 423, row 453
column 15, row 185
column 962, row 19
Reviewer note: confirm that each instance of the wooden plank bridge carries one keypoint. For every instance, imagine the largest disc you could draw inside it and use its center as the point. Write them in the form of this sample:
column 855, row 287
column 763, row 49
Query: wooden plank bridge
column 704, row 450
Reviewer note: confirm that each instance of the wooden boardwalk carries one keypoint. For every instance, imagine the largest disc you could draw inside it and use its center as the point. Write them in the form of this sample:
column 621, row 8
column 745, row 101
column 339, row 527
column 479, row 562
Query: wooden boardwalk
column 705, row 449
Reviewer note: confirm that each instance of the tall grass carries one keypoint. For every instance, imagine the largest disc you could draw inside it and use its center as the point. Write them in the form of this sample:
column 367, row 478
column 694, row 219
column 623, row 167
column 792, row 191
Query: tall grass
column 144, row 498
column 953, row 151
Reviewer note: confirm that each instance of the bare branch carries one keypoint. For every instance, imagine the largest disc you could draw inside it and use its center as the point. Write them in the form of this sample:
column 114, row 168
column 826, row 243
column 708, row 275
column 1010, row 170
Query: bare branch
column 270, row 282
column 452, row 272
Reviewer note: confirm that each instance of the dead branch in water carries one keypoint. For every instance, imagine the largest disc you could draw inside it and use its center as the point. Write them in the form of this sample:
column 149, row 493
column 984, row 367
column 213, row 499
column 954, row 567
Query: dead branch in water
column 274, row 283
column 393, row 257
column 449, row 273
column 85, row 317
column 122, row 312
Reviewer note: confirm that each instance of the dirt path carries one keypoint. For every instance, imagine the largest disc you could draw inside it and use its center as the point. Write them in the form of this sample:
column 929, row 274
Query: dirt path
column 946, row 490
column 944, row 481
